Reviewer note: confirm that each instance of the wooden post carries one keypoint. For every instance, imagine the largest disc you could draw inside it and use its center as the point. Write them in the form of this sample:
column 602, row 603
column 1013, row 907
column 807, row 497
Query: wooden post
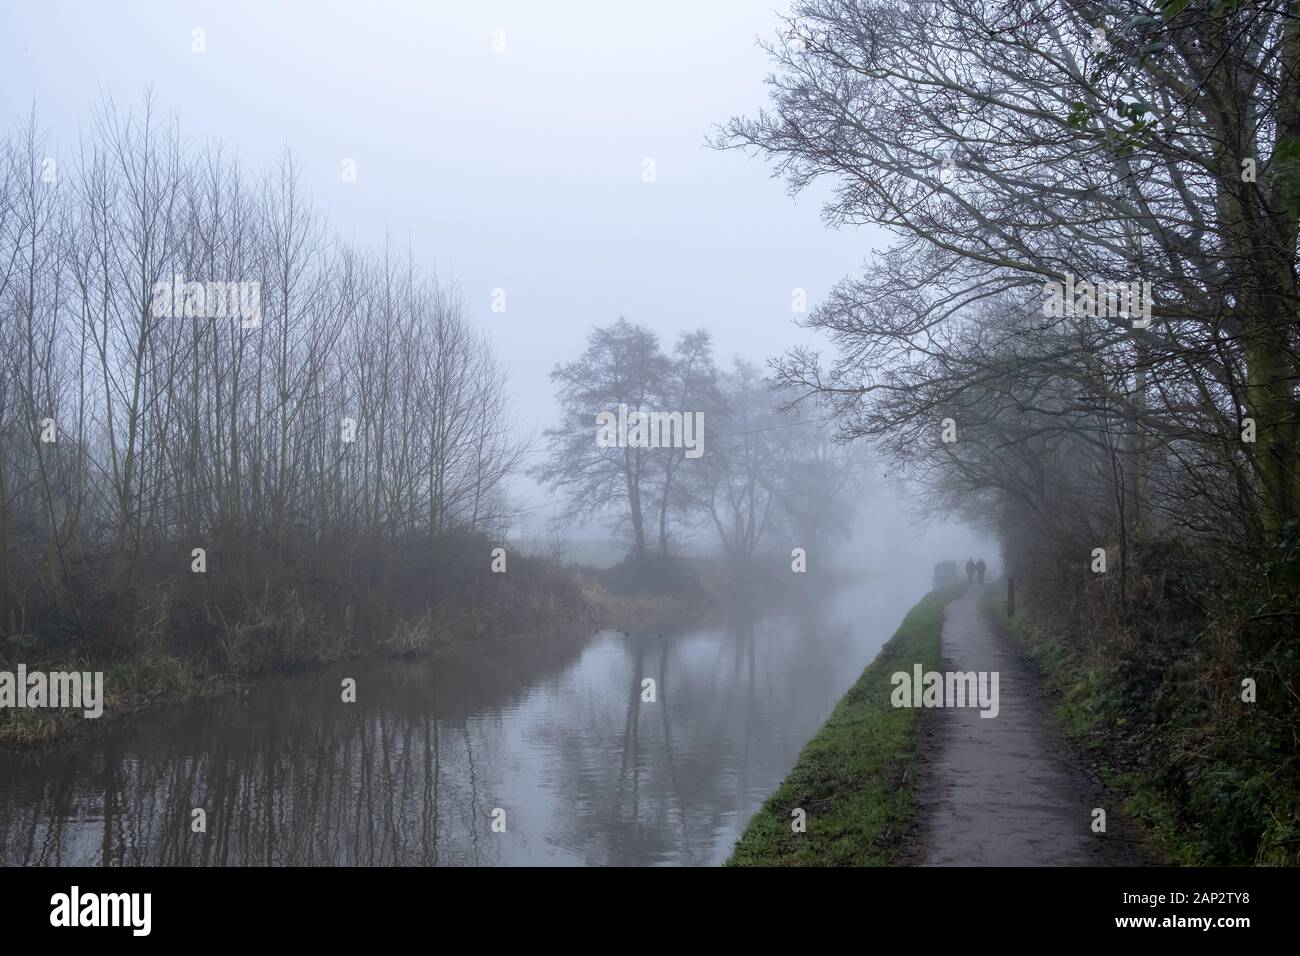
column 1011, row 597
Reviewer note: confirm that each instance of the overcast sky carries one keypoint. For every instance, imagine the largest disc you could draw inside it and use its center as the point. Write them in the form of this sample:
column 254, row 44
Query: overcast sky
column 520, row 170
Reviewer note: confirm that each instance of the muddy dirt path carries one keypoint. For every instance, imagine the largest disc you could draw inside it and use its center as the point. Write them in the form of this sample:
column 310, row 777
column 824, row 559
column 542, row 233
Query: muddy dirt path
column 1005, row 791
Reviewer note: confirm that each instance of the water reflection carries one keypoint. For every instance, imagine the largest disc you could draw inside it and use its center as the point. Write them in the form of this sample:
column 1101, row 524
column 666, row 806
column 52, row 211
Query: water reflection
column 555, row 733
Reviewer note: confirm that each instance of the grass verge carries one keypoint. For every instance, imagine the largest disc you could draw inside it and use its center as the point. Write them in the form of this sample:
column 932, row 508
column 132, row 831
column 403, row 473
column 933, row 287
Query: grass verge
column 854, row 778
column 1086, row 698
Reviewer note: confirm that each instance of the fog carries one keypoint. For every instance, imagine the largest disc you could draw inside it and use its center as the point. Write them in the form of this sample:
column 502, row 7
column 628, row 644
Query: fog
column 859, row 433
column 519, row 170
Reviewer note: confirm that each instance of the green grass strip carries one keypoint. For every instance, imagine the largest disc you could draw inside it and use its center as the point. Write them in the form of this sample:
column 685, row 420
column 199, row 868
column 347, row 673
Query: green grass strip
column 854, row 778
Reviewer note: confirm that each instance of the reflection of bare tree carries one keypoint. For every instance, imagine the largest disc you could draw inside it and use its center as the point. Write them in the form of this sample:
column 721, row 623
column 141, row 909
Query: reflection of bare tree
column 739, row 645
column 473, row 795
column 668, row 743
column 631, row 764
column 429, row 817
column 734, row 705
column 286, row 778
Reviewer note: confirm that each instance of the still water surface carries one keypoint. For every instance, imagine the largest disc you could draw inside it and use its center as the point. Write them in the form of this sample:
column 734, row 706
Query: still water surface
column 554, row 732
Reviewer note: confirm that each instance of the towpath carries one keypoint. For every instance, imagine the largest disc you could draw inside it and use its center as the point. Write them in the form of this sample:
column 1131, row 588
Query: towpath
column 1005, row 791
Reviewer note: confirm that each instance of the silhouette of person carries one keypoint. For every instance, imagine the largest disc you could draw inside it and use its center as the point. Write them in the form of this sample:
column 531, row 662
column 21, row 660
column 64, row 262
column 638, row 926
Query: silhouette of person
column 979, row 569
column 970, row 570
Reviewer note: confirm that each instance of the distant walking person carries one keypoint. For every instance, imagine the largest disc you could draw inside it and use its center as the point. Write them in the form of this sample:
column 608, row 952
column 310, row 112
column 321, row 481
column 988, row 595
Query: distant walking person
column 979, row 569
column 970, row 570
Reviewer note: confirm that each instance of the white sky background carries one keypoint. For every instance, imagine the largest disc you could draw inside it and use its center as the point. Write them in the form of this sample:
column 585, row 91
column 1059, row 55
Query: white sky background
column 520, row 170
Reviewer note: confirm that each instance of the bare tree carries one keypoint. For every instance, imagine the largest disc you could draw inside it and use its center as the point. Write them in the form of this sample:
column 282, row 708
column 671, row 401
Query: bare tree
column 192, row 361
column 1010, row 145
column 622, row 366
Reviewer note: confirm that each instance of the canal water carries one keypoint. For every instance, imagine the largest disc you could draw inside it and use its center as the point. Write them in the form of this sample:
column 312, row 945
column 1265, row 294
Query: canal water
column 518, row 752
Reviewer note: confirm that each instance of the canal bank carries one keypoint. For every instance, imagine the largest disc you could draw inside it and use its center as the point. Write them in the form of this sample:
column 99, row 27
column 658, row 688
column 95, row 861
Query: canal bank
column 848, row 800
column 163, row 667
